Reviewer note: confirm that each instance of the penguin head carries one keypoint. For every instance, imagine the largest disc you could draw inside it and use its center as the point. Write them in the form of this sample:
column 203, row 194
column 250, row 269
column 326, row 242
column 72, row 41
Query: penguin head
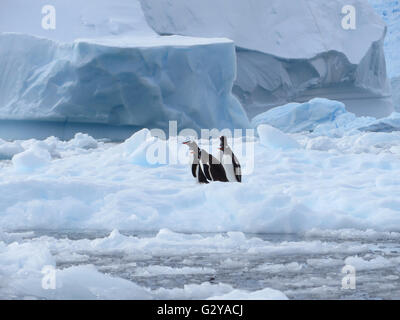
column 223, row 143
column 193, row 147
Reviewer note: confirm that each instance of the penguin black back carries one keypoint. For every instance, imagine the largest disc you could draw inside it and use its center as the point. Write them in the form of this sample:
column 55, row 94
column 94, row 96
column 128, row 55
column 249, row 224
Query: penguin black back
column 215, row 168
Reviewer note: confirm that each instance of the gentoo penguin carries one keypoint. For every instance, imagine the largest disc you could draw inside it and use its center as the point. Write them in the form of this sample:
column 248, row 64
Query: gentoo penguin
column 212, row 168
column 230, row 162
column 197, row 169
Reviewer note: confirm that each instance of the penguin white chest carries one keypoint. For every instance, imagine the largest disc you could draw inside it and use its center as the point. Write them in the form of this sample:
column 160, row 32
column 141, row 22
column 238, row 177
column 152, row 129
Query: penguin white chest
column 229, row 168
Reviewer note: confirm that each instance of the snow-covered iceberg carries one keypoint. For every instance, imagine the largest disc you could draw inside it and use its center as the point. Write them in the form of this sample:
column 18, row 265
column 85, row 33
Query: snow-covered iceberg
column 290, row 50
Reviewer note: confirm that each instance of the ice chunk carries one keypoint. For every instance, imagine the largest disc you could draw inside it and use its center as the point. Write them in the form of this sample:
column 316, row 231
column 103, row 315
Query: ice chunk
column 193, row 291
column 277, row 268
column 353, row 234
column 275, row 139
column 321, row 143
column 156, row 270
column 265, row 294
column 31, row 159
column 24, row 263
column 389, row 124
column 296, row 117
column 9, row 149
column 83, row 141
column 375, row 263
column 323, row 117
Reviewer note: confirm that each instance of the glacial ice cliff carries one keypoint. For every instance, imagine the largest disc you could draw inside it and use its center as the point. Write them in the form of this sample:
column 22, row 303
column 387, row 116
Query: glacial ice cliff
column 290, row 50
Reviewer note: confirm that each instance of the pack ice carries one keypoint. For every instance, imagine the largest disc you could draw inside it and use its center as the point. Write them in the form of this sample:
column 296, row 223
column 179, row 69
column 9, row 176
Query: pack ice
column 290, row 50
column 122, row 75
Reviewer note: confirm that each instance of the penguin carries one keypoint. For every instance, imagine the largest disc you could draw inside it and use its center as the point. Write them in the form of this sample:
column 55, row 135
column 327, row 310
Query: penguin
column 212, row 168
column 230, row 162
column 197, row 170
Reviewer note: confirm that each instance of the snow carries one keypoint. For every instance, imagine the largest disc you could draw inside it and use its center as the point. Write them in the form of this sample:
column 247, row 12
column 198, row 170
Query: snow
column 79, row 184
column 290, row 51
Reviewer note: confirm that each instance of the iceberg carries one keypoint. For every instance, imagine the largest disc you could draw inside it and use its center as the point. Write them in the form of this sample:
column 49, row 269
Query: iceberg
column 113, row 82
column 290, row 50
column 323, row 117
column 389, row 11
column 133, row 85
column 297, row 117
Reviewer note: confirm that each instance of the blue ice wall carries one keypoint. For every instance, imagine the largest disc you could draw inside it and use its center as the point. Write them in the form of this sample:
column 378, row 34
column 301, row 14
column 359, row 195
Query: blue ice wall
column 119, row 85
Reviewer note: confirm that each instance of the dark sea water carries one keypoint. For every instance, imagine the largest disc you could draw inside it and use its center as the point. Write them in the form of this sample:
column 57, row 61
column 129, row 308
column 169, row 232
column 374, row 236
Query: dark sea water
column 314, row 275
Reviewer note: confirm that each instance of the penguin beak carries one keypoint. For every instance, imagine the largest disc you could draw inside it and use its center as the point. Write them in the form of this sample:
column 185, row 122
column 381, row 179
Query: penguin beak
column 187, row 142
